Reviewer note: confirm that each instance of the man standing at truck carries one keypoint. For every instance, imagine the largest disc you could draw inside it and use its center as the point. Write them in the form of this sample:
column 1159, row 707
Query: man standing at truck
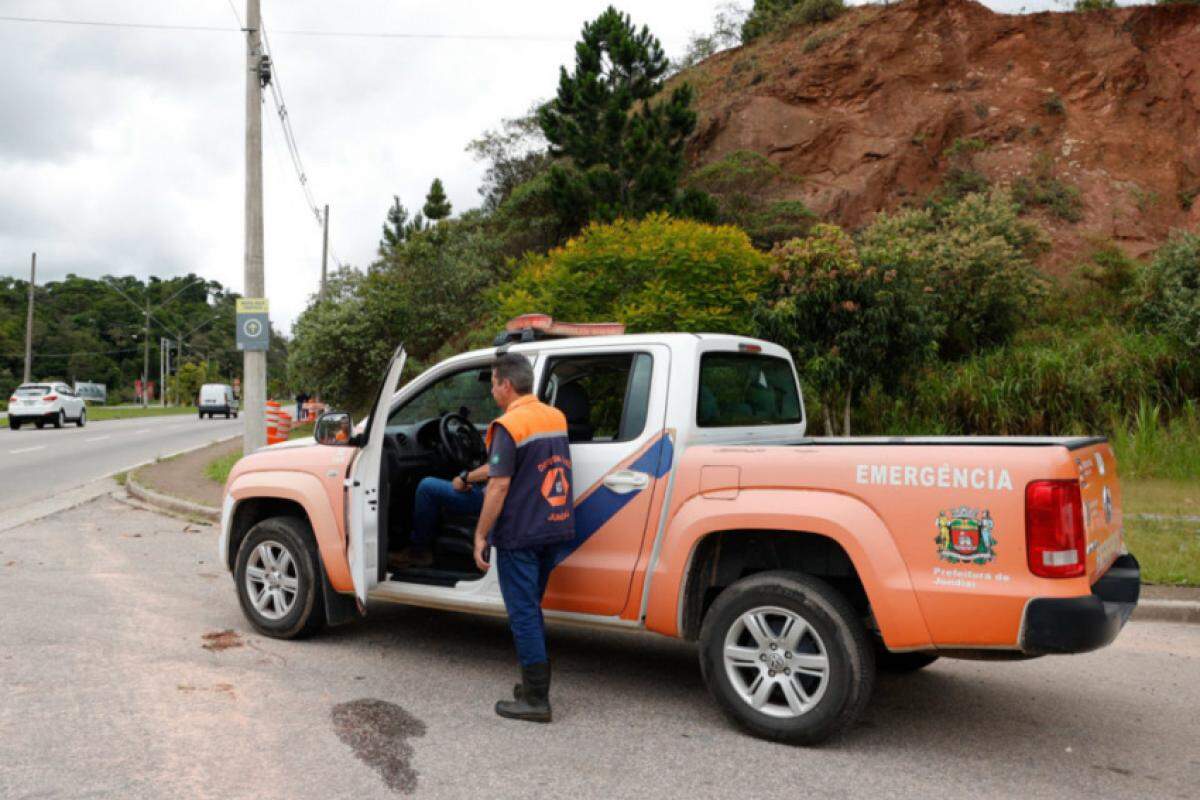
column 527, row 514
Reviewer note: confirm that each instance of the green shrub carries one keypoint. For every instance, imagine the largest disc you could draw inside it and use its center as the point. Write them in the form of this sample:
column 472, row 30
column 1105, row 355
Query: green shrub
column 1054, row 105
column 1044, row 188
column 974, row 257
column 1050, row 380
column 1094, row 5
column 1111, row 272
column 1170, row 292
column 846, row 324
column 654, row 274
column 740, row 184
column 1148, row 446
column 768, row 16
column 962, row 177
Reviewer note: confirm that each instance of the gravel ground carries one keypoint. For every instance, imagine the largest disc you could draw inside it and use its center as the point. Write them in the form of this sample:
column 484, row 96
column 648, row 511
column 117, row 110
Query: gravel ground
column 128, row 671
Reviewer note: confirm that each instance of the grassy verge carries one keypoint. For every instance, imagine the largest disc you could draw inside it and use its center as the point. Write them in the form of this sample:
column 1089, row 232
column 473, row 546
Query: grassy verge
column 99, row 413
column 218, row 469
column 1168, row 550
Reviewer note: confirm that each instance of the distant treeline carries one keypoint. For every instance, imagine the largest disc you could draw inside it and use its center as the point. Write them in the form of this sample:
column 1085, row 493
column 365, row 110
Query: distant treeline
column 93, row 330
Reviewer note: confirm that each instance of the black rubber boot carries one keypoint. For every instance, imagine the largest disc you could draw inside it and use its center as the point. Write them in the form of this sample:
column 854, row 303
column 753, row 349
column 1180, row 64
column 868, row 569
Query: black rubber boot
column 533, row 696
column 517, row 687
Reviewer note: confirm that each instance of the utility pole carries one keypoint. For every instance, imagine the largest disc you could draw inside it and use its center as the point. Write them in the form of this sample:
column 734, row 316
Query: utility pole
column 162, row 369
column 146, row 363
column 29, row 322
column 324, row 254
column 254, row 363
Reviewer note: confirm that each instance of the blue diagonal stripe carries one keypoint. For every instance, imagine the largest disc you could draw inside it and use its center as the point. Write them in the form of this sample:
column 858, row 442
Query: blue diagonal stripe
column 603, row 504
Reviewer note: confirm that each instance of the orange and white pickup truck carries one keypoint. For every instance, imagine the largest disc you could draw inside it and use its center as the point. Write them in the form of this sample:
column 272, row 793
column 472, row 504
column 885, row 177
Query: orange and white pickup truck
column 704, row 512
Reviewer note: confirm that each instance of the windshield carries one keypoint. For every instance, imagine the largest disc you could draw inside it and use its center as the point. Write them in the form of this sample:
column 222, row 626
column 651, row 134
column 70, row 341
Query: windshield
column 33, row 391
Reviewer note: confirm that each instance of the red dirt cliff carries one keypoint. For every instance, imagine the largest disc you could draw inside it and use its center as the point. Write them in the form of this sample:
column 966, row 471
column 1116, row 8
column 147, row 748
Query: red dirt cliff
column 861, row 110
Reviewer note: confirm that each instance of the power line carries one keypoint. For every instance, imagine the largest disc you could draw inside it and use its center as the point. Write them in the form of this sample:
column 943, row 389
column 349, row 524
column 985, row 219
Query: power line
column 289, row 138
column 469, row 37
column 134, row 25
column 68, row 355
column 236, row 15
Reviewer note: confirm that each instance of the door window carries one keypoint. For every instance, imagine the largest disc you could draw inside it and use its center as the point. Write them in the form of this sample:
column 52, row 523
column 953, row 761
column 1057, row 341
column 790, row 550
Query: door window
column 744, row 389
column 470, row 389
column 604, row 397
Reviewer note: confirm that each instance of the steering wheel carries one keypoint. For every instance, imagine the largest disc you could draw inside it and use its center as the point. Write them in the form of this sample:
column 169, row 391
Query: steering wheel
column 461, row 441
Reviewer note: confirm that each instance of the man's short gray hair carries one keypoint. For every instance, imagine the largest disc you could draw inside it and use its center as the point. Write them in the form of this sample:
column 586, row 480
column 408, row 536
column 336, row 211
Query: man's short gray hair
column 515, row 369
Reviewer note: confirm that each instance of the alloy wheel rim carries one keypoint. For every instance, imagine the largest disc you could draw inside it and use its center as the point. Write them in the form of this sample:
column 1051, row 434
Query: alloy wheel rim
column 776, row 662
column 272, row 581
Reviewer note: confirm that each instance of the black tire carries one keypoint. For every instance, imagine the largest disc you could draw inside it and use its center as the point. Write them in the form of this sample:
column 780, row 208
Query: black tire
column 39, row 423
column 235, row 415
column 307, row 614
column 849, row 679
column 901, row 663
column 14, row 424
column 82, row 420
column 226, row 415
column 59, row 419
column 201, row 415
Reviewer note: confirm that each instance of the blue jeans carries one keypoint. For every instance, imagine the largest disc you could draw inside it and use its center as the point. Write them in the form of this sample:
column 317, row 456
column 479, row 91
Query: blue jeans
column 435, row 496
column 523, row 576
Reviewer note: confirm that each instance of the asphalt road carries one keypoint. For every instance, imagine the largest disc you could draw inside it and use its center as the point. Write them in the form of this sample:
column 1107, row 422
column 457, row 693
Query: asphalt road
column 108, row 691
column 36, row 464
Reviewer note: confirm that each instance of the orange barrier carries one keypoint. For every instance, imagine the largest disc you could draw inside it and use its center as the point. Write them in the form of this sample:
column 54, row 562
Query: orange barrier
column 283, row 428
column 272, row 414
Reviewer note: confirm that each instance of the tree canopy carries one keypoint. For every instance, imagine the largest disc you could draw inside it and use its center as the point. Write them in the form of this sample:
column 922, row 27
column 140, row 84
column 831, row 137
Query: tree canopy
column 620, row 149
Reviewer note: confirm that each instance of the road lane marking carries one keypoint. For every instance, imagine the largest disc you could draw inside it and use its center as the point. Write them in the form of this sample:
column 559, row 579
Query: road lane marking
column 97, row 439
column 143, row 430
column 27, row 449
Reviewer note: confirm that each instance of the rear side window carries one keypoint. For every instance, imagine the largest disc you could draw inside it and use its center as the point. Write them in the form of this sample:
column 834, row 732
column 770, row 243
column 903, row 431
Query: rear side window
column 32, row 391
column 738, row 389
column 605, row 398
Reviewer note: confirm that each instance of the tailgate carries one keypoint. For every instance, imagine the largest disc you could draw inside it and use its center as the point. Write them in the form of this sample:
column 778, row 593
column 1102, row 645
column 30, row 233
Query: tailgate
column 1101, row 493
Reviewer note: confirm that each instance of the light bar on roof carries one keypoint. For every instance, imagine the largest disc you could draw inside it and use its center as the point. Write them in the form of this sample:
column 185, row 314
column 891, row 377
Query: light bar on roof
column 546, row 326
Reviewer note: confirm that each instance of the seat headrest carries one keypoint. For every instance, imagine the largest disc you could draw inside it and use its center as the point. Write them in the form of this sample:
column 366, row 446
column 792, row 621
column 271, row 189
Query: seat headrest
column 573, row 401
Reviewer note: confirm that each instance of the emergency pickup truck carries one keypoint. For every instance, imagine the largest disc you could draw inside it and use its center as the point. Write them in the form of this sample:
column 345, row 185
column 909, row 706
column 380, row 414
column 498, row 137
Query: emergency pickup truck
column 704, row 511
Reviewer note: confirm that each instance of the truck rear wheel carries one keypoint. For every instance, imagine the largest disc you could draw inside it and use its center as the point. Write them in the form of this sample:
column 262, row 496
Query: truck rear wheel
column 786, row 657
column 277, row 579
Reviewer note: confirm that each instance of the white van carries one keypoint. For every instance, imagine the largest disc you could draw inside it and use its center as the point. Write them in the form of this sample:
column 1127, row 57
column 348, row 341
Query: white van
column 217, row 398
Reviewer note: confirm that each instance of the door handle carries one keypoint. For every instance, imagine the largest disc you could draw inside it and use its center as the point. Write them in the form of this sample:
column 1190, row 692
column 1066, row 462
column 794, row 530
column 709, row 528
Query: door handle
column 626, row 480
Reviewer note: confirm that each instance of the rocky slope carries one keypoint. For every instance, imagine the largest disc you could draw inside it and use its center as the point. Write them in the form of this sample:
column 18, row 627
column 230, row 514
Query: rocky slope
column 863, row 110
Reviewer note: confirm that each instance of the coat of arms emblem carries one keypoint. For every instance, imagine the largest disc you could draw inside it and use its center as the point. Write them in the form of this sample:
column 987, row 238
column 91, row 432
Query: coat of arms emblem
column 966, row 535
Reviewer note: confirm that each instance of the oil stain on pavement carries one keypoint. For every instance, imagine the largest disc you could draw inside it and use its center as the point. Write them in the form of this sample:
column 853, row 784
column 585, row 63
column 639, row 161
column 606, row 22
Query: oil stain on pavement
column 378, row 732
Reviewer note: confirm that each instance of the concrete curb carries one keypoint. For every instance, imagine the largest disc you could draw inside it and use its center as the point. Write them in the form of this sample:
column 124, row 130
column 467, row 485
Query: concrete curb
column 1167, row 611
column 165, row 502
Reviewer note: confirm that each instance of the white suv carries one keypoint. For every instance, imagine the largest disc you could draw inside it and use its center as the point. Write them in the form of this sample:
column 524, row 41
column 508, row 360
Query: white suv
column 40, row 403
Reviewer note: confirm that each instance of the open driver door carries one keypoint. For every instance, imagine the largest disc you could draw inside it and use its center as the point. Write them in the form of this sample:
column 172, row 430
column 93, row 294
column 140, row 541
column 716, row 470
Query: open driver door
column 362, row 488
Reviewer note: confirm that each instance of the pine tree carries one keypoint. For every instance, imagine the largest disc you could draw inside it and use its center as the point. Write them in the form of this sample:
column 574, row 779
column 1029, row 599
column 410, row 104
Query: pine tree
column 395, row 228
column 622, row 153
column 437, row 206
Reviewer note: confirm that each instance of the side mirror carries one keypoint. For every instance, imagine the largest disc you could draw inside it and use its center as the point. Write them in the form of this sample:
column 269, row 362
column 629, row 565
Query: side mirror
column 333, row 428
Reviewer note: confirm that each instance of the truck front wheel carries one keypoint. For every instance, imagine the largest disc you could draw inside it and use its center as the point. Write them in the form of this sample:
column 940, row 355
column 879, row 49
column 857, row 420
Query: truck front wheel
column 786, row 657
column 277, row 576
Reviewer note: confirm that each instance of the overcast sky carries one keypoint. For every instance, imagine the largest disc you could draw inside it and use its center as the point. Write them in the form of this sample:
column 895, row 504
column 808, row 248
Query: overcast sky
column 121, row 150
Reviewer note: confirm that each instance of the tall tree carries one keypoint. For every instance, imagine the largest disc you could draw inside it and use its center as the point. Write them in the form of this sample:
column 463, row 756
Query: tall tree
column 437, row 205
column 398, row 228
column 622, row 151
column 394, row 227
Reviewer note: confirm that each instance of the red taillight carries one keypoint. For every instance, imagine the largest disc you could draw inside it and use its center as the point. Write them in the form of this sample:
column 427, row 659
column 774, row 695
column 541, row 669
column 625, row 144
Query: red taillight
column 50, row 398
column 1054, row 535
column 13, row 399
